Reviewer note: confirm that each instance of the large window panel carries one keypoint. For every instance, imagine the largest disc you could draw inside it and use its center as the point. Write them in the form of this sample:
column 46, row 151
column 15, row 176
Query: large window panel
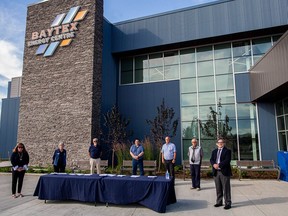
column 188, row 70
column 155, row 60
column 241, row 48
column 261, row 46
column 187, row 55
column 226, row 110
column 226, row 96
column 156, row 74
column 282, row 141
column 188, row 85
column 222, row 51
column 171, row 58
column 205, row 68
column 242, row 64
column 126, row 77
column 141, row 75
column 188, row 113
column 171, row 72
column 189, row 100
column 141, row 62
column 223, row 66
column 206, row 84
column 246, row 111
column 280, row 123
column 206, row 98
column 279, row 108
column 224, row 82
column 204, row 53
column 190, row 129
column 205, row 112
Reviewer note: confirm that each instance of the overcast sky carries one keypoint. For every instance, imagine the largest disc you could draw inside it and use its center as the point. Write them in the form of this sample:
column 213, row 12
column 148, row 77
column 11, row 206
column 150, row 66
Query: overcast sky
column 13, row 19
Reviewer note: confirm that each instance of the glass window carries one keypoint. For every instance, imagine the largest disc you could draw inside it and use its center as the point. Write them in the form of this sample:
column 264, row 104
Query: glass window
column 188, row 100
column 204, row 53
column 187, row 55
column 280, row 123
column 171, row 58
column 155, row 60
column 141, row 62
column 248, row 140
column 282, row 141
column 222, row 51
column 127, row 64
column 226, row 110
column 241, row 49
column 226, row 96
column 256, row 58
column 188, row 85
column 223, row 66
column 205, row 68
column 205, row 111
column 246, row 111
column 190, row 129
column 206, row 84
column 188, row 70
column 126, row 77
column 261, row 46
column 156, row 74
column 189, row 113
column 242, row 64
column 206, row 98
column 224, row 82
column 171, row 72
column 141, row 75
column 279, row 108
column 276, row 38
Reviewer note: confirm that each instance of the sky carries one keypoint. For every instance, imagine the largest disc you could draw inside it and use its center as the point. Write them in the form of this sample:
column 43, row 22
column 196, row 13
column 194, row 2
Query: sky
column 13, row 19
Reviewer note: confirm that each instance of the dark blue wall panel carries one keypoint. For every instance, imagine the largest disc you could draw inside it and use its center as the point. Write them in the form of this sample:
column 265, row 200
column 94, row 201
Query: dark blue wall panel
column 268, row 135
column 242, row 83
column 210, row 20
column 139, row 102
column 9, row 126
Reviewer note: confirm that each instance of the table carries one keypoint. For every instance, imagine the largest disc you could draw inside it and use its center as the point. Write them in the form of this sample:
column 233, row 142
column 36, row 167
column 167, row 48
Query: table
column 154, row 193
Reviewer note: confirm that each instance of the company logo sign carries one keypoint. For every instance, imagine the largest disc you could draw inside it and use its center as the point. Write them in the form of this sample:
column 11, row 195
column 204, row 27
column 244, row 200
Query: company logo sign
column 61, row 32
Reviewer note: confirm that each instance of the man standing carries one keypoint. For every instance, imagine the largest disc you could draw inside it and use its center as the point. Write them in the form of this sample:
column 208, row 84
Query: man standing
column 220, row 161
column 95, row 152
column 137, row 152
column 169, row 156
column 195, row 154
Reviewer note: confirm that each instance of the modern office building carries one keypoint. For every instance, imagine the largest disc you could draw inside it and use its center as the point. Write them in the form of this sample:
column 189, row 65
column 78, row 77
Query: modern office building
column 9, row 118
column 221, row 66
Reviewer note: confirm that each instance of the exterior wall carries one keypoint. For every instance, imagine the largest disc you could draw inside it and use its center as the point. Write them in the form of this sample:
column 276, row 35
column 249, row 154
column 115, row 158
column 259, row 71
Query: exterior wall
column 242, row 86
column 139, row 103
column 61, row 94
column 268, row 131
column 9, row 126
column 210, row 20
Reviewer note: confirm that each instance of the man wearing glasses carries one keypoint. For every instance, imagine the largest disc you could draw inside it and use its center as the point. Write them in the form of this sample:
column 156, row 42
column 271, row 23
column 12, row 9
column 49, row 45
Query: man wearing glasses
column 220, row 161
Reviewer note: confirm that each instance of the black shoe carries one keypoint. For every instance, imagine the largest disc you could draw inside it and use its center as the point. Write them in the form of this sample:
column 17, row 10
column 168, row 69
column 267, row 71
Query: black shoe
column 227, row 207
column 218, row 205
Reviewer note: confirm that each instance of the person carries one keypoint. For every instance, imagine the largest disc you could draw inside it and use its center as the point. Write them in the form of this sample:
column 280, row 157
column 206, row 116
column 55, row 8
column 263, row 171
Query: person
column 95, row 152
column 221, row 169
column 195, row 154
column 169, row 156
column 19, row 160
column 59, row 158
column 137, row 152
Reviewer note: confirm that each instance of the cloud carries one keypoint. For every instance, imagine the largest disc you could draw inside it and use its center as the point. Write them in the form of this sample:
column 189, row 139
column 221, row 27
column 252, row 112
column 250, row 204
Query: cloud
column 10, row 60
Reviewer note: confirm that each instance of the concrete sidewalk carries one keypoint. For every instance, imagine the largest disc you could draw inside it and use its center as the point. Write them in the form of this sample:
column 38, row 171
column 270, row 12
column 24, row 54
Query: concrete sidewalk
column 249, row 197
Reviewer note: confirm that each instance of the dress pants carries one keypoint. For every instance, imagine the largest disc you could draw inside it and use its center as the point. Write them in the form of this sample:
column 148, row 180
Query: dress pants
column 17, row 176
column 195, row 175
column 223, row 187
column 93, row 163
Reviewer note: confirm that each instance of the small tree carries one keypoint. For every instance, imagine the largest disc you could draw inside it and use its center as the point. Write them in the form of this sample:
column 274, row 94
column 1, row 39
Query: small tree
column 117, row 133
column 162, row 125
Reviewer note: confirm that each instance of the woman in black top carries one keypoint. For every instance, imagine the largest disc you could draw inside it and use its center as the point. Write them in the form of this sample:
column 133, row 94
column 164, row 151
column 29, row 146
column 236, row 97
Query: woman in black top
column 20, row 161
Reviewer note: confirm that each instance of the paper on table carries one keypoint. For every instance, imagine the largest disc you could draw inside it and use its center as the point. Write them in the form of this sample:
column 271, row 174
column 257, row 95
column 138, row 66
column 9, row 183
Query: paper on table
column 134, row 176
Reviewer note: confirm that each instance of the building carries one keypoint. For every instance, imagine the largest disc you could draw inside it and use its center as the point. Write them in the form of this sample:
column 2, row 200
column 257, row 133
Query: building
column 213, row 58
column 9, row 118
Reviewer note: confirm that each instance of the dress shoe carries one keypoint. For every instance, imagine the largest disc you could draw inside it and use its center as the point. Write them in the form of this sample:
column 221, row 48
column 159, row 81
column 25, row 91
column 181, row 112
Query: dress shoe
column 227, row 207
column 218, row 205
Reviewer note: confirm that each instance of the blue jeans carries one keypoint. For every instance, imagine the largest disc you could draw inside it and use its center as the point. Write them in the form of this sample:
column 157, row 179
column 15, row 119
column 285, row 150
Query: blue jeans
column 136, row 163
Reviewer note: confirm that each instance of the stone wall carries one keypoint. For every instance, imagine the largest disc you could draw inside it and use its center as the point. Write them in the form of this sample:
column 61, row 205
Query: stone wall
column 61, row 94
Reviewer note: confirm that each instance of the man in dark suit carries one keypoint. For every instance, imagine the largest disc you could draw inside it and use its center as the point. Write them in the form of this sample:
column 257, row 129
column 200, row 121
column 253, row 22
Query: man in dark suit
column 220, row 161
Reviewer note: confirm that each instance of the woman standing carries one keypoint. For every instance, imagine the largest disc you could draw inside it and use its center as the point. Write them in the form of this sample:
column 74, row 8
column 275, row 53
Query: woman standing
column 20, row 161
column 59, row 158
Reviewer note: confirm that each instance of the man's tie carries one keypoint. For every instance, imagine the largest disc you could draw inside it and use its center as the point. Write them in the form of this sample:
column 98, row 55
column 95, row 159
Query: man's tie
column 218, row 156
column 193, row 156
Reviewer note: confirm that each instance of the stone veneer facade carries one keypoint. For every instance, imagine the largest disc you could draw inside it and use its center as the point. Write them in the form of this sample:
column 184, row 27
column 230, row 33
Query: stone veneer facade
column 61, row 94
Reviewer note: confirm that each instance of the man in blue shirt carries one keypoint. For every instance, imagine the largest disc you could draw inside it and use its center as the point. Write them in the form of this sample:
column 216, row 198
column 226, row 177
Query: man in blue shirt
column 169, row 156
column 95, row 152
column 137, row 152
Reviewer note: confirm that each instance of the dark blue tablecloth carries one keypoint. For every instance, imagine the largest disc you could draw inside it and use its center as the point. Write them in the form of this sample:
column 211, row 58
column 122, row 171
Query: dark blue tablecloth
column 154, row 193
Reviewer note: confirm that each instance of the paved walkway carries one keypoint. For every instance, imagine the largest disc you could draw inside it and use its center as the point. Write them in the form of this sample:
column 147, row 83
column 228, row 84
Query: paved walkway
column 249, row 197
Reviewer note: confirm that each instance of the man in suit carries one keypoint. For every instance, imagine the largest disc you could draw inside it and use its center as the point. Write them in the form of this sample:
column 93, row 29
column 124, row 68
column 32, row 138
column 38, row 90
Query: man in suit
column 220, row 161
